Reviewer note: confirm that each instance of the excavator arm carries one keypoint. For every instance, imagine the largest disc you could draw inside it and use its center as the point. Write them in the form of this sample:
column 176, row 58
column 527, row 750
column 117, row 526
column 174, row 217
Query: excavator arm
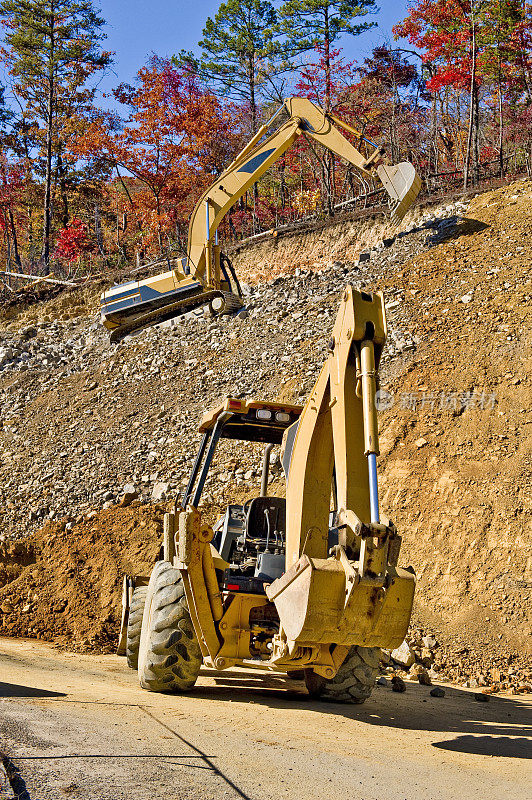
column 353, row 592
column 401, row 182
column 202, row 277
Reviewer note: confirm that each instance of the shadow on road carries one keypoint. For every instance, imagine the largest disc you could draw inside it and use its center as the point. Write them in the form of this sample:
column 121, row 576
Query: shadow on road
column 484, row 728
column 504, row 746
column 207, row 760
column 16, row 781
column 12, row 690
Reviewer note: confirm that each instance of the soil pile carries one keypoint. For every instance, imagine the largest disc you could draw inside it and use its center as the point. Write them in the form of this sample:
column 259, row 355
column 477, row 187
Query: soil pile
column 64, row 583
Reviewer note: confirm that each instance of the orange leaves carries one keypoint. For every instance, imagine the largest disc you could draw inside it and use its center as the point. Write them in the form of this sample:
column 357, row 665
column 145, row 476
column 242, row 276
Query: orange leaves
column 169, row 143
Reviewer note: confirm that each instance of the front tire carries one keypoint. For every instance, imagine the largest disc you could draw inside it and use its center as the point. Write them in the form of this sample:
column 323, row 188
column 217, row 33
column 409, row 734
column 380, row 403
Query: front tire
column 354, row 681
column 169, row 653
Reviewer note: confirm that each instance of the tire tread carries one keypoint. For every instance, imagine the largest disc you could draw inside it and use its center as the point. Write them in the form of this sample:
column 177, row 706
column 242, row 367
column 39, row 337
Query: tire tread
column 169, row 655
column 354, row 681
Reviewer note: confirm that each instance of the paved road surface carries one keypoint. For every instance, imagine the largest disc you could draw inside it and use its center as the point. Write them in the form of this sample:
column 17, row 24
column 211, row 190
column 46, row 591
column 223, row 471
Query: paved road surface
column 76, row 726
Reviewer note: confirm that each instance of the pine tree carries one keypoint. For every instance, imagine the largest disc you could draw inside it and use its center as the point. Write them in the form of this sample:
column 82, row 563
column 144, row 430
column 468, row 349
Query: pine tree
column 308, row 24
column 317, row 24
column 238, row 50
column 52, row 48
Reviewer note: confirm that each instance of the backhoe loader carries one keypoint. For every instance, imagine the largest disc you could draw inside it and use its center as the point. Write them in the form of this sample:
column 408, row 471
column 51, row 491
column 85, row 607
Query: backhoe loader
column 205, row 277
column 306, row 583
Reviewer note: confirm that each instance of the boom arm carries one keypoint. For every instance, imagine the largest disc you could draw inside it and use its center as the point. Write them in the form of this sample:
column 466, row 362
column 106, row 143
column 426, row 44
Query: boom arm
column 401, row 181
column 338, row 429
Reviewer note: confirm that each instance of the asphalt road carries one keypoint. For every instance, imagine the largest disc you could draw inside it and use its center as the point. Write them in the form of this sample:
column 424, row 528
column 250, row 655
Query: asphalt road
column 75, row 726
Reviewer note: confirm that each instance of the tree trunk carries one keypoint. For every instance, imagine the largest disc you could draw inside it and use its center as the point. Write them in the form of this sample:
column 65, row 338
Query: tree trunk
column 472, row 92
column 98, row 231
column 253, row 110
column 501, row 128
column 329, row 157
column 476, row 138
column 8, row 242
column 252, row 98
column 49, row 129
column 16, row 254
column 159, row 229
column 282, row 186
column 61, row 173
column 128, row 195
column 524, row 57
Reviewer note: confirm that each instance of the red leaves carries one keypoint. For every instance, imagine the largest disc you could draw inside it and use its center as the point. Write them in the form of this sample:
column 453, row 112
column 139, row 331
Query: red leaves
column 72, row 242
column 443, row 30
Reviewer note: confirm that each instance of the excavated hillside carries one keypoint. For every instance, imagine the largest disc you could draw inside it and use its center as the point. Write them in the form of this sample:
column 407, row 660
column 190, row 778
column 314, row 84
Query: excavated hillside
column 84, row 421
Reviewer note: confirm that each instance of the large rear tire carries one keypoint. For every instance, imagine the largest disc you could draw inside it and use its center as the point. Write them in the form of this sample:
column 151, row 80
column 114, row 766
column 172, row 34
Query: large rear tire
column 134, row 625
column 354, row 681
column 169, row 653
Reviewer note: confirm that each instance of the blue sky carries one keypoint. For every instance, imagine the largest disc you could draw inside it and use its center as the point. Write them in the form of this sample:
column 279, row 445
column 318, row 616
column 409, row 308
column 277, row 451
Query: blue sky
column 136, row 28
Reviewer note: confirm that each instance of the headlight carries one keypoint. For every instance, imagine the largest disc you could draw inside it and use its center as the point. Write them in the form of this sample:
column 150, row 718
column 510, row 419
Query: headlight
column 282, row 416
column 264, row 413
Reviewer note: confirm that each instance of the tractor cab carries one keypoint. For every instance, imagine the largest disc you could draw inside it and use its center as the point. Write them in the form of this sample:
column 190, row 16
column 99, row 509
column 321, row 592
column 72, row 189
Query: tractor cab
column 249, row 538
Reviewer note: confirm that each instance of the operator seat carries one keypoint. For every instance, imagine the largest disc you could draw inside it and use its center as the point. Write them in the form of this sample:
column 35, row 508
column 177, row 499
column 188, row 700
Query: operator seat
column 262, row 509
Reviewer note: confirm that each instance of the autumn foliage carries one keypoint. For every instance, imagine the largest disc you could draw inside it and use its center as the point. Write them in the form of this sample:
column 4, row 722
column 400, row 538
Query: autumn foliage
column 118, row 175
column 73, row 242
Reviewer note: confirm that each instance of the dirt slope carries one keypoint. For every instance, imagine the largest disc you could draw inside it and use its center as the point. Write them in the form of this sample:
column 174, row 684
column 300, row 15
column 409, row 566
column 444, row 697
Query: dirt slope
column 64, row 584
column 457, row 442
column 319, row 243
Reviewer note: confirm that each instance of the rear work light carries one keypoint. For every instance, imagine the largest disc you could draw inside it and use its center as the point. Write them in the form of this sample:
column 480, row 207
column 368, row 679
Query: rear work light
column 264, row 413
column 282, row 416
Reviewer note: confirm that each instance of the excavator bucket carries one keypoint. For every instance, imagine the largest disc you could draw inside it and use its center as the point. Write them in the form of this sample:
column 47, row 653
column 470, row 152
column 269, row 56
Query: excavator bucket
column 403, row 184
column 323, row 600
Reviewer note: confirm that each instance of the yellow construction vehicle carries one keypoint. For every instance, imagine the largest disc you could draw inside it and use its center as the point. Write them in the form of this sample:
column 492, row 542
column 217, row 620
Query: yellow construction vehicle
column 205, row 276
column 307, row 583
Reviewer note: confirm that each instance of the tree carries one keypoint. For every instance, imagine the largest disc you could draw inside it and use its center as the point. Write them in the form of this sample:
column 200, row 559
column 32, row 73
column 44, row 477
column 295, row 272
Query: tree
column 309, row 24
column 72, row 242
column 506, row 59
column 52, row 49
column 317, row 24
column 238, row 50
column 387, row 77
column 11, row 189
column 324, row 81
column 474, row 46
column 175, row 138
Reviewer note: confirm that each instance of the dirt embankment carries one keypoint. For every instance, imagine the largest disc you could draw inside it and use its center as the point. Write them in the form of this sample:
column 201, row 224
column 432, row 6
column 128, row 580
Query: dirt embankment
column 457, row 442
column 64, row 584
column 320, row 243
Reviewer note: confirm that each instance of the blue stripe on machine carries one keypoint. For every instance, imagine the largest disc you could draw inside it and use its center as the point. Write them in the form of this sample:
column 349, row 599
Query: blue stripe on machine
column 108, row 308
column 255, row 162
column 146, row 294
column 122, row 286
column 111, row 295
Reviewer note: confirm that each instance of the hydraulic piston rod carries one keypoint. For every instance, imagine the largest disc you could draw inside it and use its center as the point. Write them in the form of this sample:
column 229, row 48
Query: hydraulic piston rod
column 371, row 433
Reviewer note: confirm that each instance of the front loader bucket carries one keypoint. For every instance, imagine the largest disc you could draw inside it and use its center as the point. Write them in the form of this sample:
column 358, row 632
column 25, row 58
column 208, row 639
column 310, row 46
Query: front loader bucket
column 318, row 603
column 403, row 184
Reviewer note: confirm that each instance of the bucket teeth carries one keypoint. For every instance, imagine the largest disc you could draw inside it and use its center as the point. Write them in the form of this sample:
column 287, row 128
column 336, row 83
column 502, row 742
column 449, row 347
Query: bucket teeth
column 403, row 184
